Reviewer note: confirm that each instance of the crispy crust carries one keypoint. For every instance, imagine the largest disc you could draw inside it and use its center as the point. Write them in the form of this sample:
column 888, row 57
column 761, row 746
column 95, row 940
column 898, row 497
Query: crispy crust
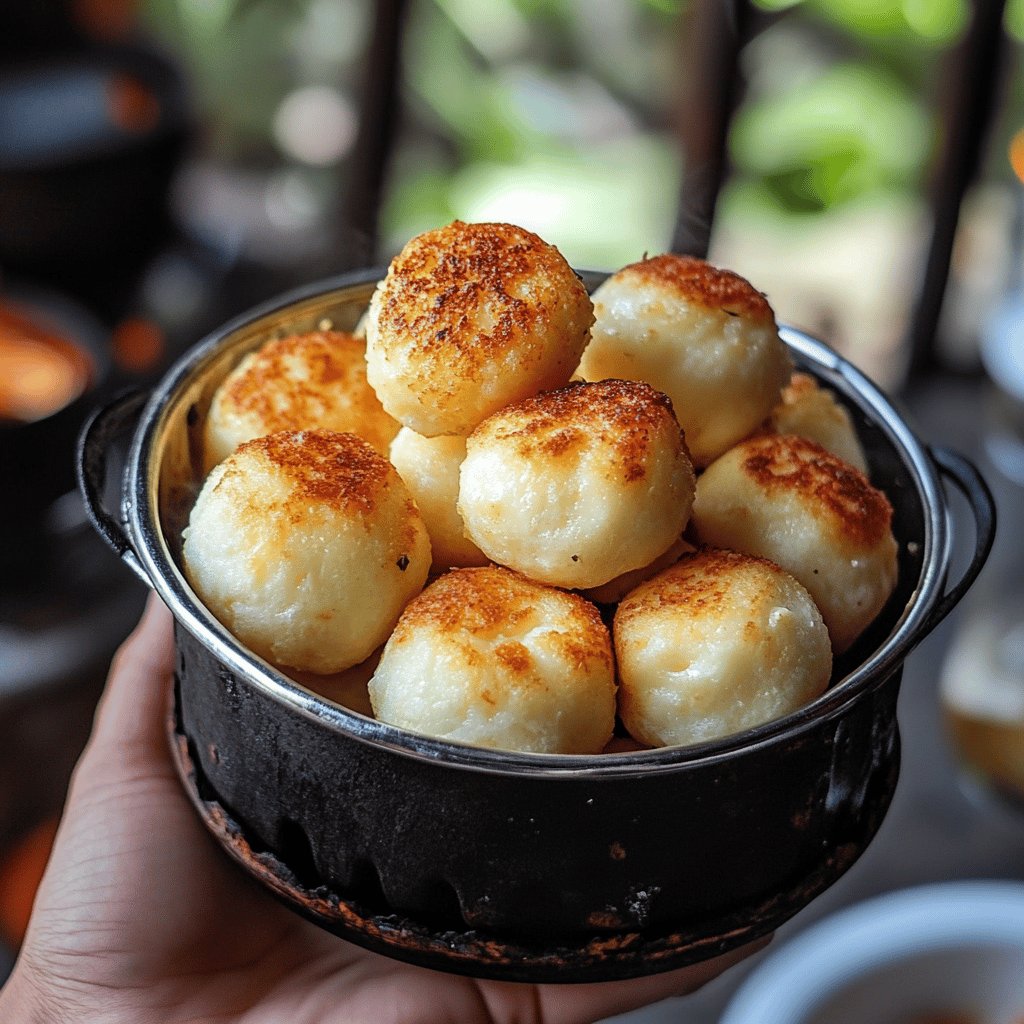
column 697, row 281
column 315, row 380
column 324, row 467
column 858, row 511
column 490, row 601
column 694, row 584
column 437, row 285
column 335, row 359
column 626, row 416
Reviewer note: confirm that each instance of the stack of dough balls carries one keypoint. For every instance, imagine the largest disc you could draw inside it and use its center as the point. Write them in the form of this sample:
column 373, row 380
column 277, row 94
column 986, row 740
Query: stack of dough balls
column 488, row 657
column 307, row 546
column 704, row 336
column 540, row 444
column 306, row 381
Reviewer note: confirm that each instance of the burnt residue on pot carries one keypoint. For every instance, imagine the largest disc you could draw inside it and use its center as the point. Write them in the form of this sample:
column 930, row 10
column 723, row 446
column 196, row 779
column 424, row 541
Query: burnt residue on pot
column 618, row 946
column 466, row 850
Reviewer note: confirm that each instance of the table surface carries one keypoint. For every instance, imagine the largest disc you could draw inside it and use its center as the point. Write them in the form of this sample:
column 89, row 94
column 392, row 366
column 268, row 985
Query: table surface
column 941, row 825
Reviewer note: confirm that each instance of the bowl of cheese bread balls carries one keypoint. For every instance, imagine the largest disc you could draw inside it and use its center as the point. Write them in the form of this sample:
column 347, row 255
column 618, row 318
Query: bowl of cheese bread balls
column 534, row 624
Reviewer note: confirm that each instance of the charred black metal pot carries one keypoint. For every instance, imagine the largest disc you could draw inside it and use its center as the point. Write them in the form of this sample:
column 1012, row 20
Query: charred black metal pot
column 520, row 866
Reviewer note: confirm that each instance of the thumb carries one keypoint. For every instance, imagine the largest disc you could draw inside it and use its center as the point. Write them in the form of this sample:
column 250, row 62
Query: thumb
column 132, row 711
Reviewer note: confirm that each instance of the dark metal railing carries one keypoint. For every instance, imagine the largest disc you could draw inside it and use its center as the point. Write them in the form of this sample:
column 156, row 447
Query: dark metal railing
column 970, row 84
column 714, row 35
column 379, row 115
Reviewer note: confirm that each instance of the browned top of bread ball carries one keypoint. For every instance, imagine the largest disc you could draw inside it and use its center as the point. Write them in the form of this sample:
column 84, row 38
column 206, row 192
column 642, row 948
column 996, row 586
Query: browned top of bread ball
column 698, row 583
column 490, row 600
column 436, row 290
column 622, row 414
column 325, row 467
column 857, row 510
column 470, row 318
column 697, row 281
column 328, row 356
column 460, row 263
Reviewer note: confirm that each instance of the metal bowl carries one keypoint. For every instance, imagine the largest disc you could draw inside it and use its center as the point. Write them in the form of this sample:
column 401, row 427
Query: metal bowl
column 524, row 866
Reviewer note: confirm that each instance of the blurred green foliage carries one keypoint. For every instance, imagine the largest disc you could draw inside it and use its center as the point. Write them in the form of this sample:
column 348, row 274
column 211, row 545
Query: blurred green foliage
column 559, row 112
column 532, row 111
column 911, row 22
column 243, row 57
column 850, row 131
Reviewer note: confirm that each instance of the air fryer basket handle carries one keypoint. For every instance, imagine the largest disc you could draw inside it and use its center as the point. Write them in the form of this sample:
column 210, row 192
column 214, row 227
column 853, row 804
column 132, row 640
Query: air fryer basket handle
column 961, row 472
column 99, row 431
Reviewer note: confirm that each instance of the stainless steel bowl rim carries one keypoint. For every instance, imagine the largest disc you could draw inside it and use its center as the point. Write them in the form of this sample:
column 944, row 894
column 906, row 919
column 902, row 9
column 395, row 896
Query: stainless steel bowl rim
column 140, row 514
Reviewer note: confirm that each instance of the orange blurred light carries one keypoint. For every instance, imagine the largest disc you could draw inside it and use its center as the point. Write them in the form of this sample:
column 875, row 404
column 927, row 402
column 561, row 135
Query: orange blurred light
column 131, row 105
column 20, row 874
column 1017, row 154
column 138, row 345
column 40, row 373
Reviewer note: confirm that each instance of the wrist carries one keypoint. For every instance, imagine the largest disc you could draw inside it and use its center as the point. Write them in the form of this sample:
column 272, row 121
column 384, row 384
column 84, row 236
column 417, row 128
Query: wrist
column 20, row 1003
column 27, row 999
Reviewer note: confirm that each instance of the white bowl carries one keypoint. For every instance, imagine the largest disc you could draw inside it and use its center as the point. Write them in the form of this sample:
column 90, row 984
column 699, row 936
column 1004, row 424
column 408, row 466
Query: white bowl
column 947, row 952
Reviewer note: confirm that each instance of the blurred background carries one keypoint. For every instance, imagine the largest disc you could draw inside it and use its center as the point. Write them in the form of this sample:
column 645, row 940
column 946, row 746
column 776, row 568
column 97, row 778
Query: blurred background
column 165, row 164
column 239, row 145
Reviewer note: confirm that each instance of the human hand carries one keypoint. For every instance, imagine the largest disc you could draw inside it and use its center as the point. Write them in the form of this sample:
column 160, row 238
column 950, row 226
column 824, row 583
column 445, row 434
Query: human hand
column 141, row 918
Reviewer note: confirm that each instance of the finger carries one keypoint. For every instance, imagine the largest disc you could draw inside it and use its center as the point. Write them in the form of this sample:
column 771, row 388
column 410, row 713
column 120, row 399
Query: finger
column 132, row 709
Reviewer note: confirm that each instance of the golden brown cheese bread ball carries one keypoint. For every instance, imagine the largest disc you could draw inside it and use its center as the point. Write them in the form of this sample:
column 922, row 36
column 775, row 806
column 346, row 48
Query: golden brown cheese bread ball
column 574, row 487
column 715, row 644
column 787, row 499
column 314, row 381
column 430, row 468
column 470, row 318
column 704, row 336
column 487, row 657
column 812, row 411
column 306, row 545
